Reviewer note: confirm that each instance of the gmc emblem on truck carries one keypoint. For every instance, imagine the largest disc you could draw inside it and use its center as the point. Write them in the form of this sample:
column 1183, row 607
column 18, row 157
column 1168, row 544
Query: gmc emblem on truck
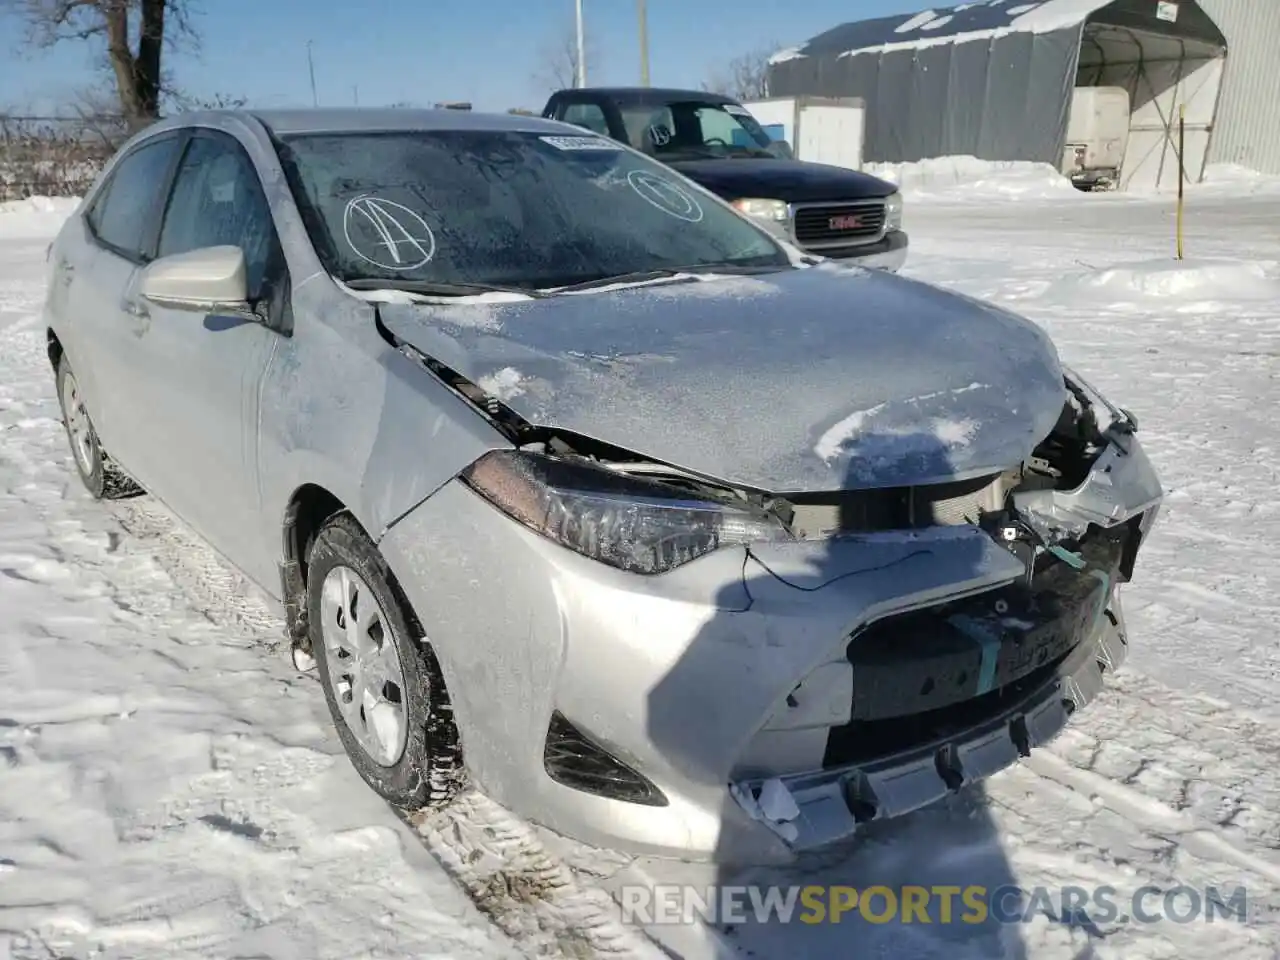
column 846, row 221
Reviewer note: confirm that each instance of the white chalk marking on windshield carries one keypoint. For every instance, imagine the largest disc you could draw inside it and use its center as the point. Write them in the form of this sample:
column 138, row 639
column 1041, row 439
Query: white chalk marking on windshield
column 397, row 245
column 666, row 195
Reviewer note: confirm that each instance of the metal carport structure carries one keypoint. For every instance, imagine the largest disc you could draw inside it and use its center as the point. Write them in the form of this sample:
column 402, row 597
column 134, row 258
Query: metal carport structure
column 994, row 79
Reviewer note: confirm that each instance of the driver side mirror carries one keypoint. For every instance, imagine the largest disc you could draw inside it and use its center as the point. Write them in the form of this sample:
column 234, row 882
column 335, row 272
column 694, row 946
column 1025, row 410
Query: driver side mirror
column 782, row 150
column 211, row 278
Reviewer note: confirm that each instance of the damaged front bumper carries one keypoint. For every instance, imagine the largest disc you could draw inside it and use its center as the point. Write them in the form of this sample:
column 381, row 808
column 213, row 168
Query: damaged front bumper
column 928, row 719
column 948, row 695
column 810, row 811
column 764, row 701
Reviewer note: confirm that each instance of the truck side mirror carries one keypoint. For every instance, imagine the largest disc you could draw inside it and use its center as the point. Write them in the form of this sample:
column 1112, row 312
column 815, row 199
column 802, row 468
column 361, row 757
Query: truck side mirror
column 781, row 149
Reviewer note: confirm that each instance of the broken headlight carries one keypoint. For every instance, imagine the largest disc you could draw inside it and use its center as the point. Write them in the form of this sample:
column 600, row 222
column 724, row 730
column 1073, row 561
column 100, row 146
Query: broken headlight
column 629, row 523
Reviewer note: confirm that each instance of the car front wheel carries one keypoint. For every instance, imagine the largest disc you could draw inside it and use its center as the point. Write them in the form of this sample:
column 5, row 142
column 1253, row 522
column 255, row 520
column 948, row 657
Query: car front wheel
column 381, row 680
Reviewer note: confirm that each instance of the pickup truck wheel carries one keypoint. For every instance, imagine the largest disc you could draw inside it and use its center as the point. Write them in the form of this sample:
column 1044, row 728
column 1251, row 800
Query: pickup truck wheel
column 382, row 683
column 102, row 478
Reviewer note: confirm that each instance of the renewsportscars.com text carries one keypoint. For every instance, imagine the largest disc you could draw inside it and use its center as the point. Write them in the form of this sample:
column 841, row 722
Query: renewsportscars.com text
column 938, row 904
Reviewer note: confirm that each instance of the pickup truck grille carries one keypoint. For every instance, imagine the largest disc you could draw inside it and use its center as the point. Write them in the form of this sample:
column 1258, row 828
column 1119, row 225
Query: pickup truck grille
column 838, row 224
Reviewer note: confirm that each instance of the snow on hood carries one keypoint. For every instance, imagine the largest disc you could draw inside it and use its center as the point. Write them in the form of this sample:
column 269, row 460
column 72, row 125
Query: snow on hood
column 801, row 380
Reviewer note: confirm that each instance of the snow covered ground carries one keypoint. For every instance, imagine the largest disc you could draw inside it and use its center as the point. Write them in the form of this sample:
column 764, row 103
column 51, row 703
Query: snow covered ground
column 169, row 787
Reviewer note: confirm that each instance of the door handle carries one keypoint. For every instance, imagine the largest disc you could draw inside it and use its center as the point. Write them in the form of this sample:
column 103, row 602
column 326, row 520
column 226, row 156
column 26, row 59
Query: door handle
column 135, row 309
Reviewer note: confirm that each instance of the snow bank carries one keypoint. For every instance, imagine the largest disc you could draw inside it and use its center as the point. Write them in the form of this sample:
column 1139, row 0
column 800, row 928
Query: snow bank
column 35, row 216
column 1234, row 180
column 1189, row 281
column 967, row 177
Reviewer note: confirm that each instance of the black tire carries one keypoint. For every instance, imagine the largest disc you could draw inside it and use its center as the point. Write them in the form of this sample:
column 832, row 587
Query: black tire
column 429, row 772
column 101, row 476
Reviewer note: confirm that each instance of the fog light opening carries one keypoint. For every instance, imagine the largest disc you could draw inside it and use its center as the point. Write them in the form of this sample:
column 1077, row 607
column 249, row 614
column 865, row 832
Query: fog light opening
column 573, row 760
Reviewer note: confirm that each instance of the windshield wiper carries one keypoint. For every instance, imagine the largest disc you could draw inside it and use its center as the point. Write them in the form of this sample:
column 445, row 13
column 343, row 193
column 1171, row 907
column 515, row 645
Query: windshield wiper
column 434, row 288
column 666, row 273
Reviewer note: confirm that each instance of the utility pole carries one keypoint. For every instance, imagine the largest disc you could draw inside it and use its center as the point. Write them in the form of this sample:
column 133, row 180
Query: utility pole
column 311, row 68
column 644, row 42
column 581, row 79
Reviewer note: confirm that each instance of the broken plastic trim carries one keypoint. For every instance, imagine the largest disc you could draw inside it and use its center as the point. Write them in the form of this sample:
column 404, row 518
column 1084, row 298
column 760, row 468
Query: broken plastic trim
column 574, row 761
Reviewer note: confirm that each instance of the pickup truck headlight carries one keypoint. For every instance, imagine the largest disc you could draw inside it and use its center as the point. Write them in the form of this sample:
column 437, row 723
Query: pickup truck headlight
column 626, row 522
column 774, row 211
column 893, row 211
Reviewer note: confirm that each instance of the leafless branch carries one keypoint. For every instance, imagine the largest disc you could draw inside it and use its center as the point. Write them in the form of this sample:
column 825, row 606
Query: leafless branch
column 134, row 33
column 745, row 77
column 558, row 60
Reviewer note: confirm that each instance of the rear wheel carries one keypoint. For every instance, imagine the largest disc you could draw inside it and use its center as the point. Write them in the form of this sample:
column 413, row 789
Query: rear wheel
column 102, row 478
column 382, row 682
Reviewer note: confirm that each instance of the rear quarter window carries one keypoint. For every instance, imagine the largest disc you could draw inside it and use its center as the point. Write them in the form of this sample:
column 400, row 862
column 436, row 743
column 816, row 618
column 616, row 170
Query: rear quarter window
column 125, row 210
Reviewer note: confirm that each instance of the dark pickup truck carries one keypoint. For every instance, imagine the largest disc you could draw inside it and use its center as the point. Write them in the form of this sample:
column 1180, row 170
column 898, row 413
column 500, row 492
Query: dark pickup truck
column 716, row 142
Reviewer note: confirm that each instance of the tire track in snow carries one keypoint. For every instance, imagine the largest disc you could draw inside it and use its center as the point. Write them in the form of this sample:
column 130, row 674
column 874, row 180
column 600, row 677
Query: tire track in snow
column 1152, row 815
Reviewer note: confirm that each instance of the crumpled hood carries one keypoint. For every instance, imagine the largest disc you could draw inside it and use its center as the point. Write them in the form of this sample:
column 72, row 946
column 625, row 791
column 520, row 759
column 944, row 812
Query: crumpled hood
column 821, row 378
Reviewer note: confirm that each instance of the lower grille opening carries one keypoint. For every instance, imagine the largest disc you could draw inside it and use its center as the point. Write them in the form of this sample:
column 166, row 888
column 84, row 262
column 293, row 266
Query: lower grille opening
column 571, row 759
column 869, row 740
column 933, row 674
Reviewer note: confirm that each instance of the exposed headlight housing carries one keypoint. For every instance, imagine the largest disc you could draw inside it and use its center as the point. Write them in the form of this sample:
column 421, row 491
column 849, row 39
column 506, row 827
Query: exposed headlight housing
column 773, row 211
column 893, row 211
column 633, row 524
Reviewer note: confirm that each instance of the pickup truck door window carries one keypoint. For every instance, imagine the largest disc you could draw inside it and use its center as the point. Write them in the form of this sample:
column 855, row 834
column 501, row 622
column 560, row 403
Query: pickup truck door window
column 588, row 115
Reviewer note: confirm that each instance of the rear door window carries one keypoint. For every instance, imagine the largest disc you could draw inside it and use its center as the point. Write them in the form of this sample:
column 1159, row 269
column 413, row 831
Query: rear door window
column 123, row 215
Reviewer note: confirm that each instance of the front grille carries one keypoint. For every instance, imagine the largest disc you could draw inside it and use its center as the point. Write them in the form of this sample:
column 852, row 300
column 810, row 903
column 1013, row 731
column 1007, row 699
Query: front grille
column 816, row 516
column 838, row 224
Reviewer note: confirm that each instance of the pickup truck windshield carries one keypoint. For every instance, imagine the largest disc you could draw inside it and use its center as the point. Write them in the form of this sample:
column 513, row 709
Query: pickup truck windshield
column 506, row 208
column 694, row 129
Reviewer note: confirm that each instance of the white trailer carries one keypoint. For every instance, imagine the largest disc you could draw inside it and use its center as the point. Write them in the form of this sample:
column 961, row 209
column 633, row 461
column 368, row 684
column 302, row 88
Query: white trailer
column 1097, row 137
column 818, row 129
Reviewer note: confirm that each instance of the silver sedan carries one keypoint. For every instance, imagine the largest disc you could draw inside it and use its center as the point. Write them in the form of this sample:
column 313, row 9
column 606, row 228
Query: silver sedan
column 570, row 480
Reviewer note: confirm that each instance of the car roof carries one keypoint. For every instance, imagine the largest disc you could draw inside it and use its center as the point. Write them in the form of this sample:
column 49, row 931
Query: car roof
column 651, row 95
column 370, row 120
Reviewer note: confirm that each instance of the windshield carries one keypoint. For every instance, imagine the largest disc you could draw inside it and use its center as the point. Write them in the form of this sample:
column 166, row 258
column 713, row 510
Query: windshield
column 506, row 208
column 695, row 129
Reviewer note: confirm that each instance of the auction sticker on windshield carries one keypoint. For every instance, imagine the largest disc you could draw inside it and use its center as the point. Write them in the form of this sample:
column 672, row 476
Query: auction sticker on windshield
column 580, row 143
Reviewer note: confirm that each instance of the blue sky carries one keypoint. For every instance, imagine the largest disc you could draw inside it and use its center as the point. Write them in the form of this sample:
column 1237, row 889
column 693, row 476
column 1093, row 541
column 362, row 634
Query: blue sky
column 491, row 52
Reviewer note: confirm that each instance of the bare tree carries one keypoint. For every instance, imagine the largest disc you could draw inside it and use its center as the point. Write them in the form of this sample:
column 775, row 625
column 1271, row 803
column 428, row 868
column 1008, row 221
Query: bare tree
column 559, row 60
column 135, row 34
column 217, row 101
column 745, row 77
